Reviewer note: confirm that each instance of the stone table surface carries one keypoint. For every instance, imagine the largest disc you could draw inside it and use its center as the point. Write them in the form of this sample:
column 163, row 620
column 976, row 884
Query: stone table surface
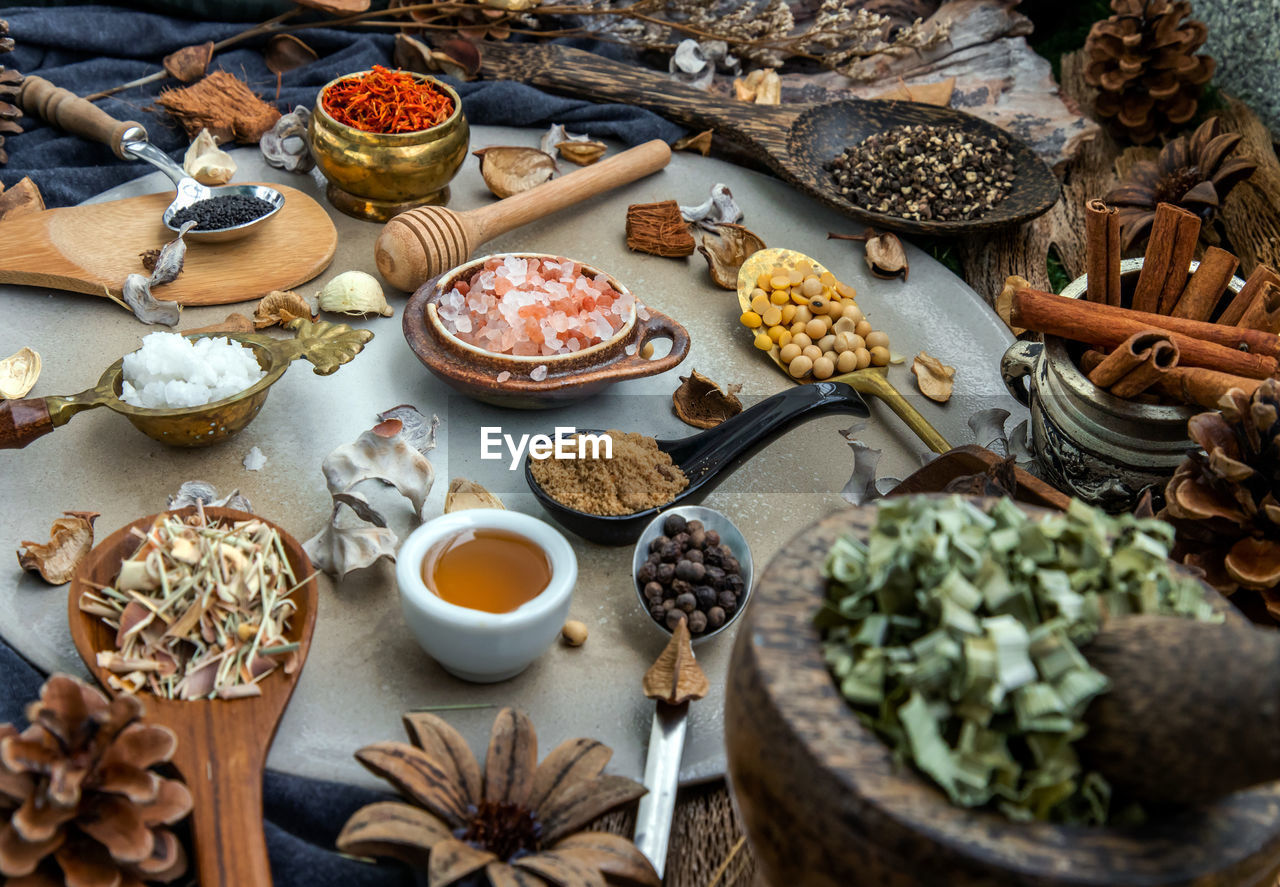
column 365, row 668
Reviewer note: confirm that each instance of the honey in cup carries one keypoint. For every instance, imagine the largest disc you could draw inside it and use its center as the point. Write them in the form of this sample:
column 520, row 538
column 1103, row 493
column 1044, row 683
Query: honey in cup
column 487, row 569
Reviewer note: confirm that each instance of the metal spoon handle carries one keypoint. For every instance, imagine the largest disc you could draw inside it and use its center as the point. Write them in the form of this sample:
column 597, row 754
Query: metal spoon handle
column 66, row 110
column 662, row 778
column 141, row 149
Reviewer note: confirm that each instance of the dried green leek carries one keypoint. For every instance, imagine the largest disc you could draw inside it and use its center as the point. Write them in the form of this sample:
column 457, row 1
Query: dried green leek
column 955, row 634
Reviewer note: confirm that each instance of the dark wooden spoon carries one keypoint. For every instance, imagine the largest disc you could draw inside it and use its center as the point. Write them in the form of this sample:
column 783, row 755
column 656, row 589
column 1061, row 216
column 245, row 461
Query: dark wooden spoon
column 222, row 744
column 794, row 140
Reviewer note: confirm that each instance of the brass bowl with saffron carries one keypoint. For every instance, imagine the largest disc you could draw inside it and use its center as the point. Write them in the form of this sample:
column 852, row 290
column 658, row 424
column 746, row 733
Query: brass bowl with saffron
column 379, row 175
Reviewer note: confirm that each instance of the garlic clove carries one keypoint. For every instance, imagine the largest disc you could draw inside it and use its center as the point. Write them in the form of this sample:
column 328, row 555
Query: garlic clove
column 354, row 292
column 206, row 162
column 18, row 374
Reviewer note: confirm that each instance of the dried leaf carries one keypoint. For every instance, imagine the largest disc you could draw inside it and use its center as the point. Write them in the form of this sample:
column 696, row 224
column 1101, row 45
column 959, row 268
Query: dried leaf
column 934, row 378
column 70, row 539
column 583, row 802
column 232, row 323
column 700, row 402
column 341, row 547
column 18, row 373
column 464, row 494
column 512, row 759
column 511, row 170
column 725, row 252
column 280, row 307
column 22, row 199
column 207, row 164
column 676, row 677
column 438, row 739
column 395, row 829
column 581, row 153
column 570, row 762
column 392, row 461
column 285, row 53
column 619, row 860
column 700, row 143
column 416, row 776
column 190, row 63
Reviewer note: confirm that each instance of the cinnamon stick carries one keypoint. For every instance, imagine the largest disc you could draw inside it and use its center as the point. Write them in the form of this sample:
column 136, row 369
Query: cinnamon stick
column 1168, row 259
column 1107, row 327
column 1136, row 365
column 1192, row 385
column 1263, row 312
column 1205, row 288
column 1102, row 252
column 1249, row 293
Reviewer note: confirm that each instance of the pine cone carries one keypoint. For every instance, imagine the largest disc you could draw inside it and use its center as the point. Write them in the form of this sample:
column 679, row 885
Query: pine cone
column 1195, row 173
column 9, row 80
column 1224, row 503
column 77, row 793
column 1143, row 61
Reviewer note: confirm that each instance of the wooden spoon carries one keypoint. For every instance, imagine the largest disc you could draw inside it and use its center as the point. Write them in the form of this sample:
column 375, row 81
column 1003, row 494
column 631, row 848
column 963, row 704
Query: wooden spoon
column 222, row 744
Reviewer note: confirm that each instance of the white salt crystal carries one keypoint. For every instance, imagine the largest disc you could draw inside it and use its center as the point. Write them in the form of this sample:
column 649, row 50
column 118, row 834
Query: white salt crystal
column 642, row 312
column 254, row 459
column 631, row 349
column 538, row 373
column 503, row 376
column 170, row 371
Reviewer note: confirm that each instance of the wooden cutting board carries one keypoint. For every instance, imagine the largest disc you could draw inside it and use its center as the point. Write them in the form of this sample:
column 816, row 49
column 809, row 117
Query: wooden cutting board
column 92, row 247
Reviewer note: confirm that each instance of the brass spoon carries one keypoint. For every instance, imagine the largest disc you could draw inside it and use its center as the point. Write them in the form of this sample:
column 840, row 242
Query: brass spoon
column 871, row 381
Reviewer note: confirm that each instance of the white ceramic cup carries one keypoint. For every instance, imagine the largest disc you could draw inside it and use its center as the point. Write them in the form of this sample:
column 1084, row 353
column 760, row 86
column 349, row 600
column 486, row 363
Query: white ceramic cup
column 472, row 644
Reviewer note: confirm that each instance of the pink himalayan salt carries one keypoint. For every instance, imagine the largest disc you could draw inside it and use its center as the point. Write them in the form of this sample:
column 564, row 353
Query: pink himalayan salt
column 534, row 307
column 503, row 376
column 539, row 373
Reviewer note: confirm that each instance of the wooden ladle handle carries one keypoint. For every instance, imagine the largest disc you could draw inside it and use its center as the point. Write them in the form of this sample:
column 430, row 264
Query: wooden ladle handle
column 520, row 209
column 22, row 421
column 67, row 111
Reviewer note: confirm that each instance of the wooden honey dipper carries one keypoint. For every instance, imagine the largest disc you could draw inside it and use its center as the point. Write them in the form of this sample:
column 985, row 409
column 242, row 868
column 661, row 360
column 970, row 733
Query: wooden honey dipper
column 423, row 243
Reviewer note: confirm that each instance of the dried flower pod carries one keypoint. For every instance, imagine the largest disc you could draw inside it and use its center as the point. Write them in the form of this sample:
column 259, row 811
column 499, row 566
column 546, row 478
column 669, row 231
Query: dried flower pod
column 465, row 494
column 701, row 403
column 280, row 307
column 189, row 63
column 510, row 170
column 18, row 373
column 70, row 539
column 676, row 676
column 285, row 145
column 725, row 252
column 581, row 153
column 206, row 162
column 934, row 378
column 455, row 57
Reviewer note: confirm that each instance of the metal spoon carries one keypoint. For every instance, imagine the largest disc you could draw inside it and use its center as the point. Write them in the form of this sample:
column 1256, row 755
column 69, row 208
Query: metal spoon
column 128, row 139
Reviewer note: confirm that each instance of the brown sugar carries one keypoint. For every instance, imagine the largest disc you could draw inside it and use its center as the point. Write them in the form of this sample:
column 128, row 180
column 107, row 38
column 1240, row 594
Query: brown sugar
column 639, row 476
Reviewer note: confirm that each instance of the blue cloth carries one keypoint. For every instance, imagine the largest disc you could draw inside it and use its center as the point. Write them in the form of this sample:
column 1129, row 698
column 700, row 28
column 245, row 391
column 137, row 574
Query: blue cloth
column 89, row 48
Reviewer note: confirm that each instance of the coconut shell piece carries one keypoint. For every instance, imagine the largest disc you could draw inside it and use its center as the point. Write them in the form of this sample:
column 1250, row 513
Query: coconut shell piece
column 934, row 378
column 701, row 403
column 280, row 307
column 465, row 494
column 70, row 539
column 509, row 170
column 18, row 373
column 725, row 250
column 658, row 229
column 676, row 677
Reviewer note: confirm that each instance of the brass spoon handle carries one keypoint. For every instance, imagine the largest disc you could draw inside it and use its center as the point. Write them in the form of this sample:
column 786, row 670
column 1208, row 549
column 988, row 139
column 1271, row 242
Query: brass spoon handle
column 327, row 345
column 874, row 384
column 67, row 111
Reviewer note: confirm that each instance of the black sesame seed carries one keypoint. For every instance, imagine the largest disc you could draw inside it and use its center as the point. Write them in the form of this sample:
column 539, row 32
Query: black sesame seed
column 216, row 213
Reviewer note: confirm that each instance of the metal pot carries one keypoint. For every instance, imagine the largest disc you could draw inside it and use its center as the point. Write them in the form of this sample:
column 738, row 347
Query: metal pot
column 1097, row 447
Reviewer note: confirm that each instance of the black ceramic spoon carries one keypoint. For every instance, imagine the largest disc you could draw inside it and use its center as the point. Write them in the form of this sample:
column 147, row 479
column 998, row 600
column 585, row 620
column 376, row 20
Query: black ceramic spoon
column 709, row 457
column 797, row 141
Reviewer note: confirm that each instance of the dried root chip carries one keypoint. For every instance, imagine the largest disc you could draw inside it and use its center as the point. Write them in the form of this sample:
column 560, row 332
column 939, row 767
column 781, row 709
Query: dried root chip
column 676, row 676
column 726, row 250
column 510, row 170
column 934, row 378
column 700, row 402
column 582, row 153
column 280, row 307
column 18, row 373
column 465, row 494
column 762, row 87
column 70, row 539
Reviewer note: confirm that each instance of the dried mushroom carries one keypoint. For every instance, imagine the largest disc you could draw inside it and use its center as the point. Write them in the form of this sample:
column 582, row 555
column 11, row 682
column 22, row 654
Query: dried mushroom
column 581, row 153
column 465, row 494
column 280, row 307
column 700, row 402
column 206, row 162
column 70, row 539
column 511, row 170
column 725, row 249
column 676, row 676
column 934, row 378
column 18, row 373
column 345, row 545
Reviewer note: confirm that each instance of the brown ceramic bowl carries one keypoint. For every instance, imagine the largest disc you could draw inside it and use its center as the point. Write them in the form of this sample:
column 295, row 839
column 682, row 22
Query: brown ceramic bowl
column 474, row 371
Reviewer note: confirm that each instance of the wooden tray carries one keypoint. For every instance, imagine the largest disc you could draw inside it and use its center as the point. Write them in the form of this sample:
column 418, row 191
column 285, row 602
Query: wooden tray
column 95, row 246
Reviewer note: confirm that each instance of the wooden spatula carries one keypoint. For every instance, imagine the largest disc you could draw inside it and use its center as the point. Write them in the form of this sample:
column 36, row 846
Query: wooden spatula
column 222, row 744
column 1193, row 712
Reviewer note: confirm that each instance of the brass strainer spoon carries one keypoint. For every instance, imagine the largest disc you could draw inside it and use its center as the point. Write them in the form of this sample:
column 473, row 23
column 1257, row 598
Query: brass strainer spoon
column 872, row 381
column 327, row 345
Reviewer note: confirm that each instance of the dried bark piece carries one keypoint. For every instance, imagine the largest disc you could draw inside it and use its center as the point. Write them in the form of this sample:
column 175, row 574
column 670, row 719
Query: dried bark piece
column 70, row 539
column 730, row 247
column 676, row 676
column 20, row 200
column 190, row 63
column 280, row 307
column 223, row 104
column 18, row 373
column 465, row 494
column 658, row 229
column 701, row 403
column 922, row 93
column 934, row 378
column 510, row 170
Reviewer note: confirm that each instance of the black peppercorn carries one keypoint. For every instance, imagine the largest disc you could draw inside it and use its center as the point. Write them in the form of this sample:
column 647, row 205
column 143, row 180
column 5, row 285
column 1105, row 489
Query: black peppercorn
column 687, row 602
column 735, row 584
column 713, row 538
column 666, row 572
column 694, row 555
column 674, row 618
column 679, row 586
column 715, row 617
column 697, row 622
column 669, row 604
column 694, row 525
column 712, row 557
column 698, row 539
column 690, row 571
column 673, row 524
column 671, row 552
column 732, row 567
column 728, row 602
column 647, row 573
column 658, row 542
column 715, row 578
column 657, row 613
column 706, row 596
column 653, row 591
